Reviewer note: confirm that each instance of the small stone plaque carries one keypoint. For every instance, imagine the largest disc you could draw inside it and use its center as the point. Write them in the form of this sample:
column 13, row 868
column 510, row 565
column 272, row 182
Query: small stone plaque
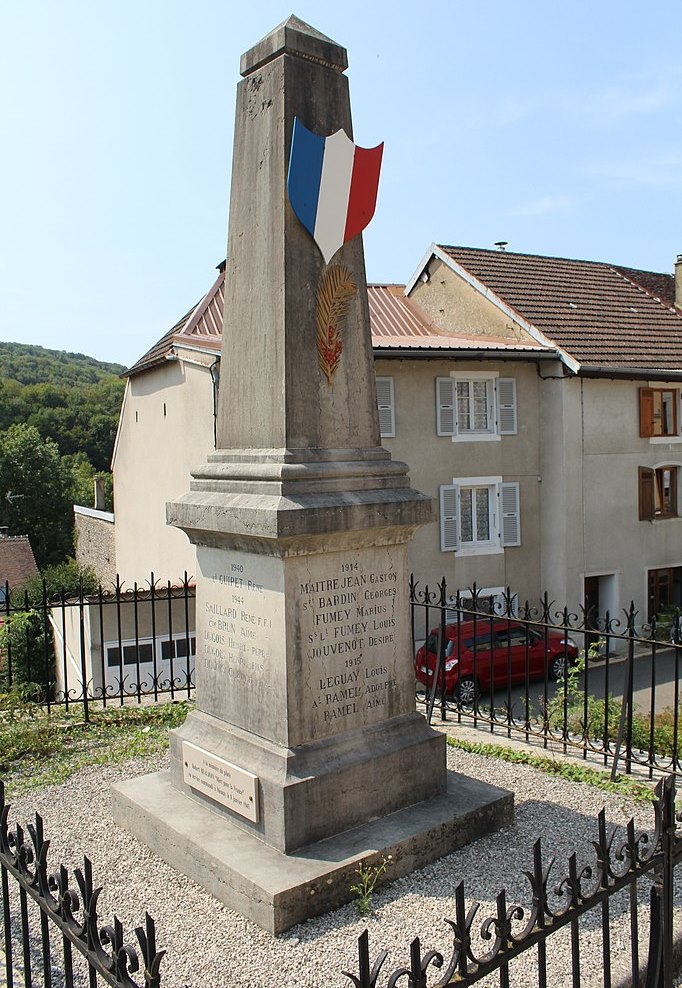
column 221, row 781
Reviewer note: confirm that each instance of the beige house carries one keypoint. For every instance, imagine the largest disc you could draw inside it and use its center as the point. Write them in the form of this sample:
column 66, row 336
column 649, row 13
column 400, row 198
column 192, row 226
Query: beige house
column 486, row 472
column 610, row 422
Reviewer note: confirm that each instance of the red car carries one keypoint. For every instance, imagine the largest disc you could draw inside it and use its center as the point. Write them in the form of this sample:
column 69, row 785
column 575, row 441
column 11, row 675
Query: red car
column 511, row 645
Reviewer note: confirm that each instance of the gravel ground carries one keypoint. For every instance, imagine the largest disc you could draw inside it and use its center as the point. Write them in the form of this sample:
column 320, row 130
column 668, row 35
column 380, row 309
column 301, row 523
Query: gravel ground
column 208, row 945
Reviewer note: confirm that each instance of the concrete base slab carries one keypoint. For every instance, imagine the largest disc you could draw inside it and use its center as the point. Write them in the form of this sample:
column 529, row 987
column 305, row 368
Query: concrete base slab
column 277, row 890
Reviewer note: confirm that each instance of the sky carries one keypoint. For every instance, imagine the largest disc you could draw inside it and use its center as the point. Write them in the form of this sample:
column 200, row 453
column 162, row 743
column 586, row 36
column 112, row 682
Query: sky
column 554, row 126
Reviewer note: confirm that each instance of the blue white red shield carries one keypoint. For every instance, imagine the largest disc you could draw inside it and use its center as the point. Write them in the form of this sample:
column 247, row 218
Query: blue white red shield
column 332, row 186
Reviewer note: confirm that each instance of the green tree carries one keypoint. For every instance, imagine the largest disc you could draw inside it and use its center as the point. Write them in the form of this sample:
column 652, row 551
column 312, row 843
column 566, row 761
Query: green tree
column 23, row 651
column 66, row 578
column 35, row 493
column 83, row 481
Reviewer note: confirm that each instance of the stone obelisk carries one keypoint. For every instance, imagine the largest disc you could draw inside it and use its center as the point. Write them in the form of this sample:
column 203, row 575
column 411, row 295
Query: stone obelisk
column 305, row 753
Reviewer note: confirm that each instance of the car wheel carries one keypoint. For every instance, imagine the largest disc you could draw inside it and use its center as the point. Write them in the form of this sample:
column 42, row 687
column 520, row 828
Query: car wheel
column 467, row 691
column 558, row 666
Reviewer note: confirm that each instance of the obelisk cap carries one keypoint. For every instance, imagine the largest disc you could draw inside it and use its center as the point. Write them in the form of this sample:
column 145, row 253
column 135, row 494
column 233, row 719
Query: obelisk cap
column 294, row 37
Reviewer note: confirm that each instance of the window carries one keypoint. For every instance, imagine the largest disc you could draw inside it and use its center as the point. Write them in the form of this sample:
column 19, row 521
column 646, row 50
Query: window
column 513, row 636
column 386, row 405
column 479, row 515
column 658, row 414
column 475, row 520
column 664, row 590
column 489, row 600
column 132, row 654
column 176, row 648
column 658, row 492
column 475, row 407
column 157, row 658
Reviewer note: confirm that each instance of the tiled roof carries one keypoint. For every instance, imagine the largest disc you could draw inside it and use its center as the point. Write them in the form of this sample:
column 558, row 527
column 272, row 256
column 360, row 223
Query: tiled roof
column 17, row 563
column 601, row 314
column 396, row 323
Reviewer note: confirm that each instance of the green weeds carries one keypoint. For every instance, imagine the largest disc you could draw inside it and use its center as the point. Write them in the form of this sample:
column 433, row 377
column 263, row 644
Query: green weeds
column 363, row 888
column 623, row 786
column 38, row 749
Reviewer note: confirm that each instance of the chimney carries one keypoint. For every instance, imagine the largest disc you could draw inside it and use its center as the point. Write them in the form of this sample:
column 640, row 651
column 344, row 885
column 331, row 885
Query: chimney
column 678, row 282
column 99, row 494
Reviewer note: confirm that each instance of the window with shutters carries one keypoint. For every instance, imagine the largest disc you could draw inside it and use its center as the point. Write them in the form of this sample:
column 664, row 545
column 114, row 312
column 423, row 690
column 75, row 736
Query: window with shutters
column 386, row 405
column 475, row 407
column 479, row 515
column 658, row 492
column 489, row 600
column 658, row 412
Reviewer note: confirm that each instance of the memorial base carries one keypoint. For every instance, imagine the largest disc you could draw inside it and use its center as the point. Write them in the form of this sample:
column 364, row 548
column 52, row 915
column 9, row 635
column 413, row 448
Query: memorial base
column 277, row 890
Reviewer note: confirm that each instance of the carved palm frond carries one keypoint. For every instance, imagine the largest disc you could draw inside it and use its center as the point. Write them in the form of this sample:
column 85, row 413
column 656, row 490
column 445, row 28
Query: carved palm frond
column 335, row 292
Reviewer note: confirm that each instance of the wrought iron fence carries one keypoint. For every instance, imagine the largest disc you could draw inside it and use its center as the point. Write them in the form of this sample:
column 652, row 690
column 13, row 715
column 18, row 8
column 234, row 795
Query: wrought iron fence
column 45, row 915
column 487, row 947
column 111, row 646
column 608, row 685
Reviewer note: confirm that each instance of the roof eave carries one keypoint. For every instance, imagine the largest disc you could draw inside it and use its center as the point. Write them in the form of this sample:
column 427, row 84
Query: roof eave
column 469, row 354
column 150, row 364
column 638, row 373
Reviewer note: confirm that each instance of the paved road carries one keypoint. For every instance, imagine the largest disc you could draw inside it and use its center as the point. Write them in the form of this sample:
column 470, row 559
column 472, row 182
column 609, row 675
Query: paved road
column 600, row 680
column 660, row 696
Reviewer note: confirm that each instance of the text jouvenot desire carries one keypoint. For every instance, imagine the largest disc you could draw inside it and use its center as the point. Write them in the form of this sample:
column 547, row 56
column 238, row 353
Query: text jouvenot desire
column 350, row 621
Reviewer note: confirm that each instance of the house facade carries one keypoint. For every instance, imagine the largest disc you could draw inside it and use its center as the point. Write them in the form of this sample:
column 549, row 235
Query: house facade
column 610, row 436
column 484, row 470
column 537, row 400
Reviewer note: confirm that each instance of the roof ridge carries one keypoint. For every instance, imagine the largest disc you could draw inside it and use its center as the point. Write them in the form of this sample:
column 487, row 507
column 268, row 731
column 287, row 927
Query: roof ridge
column 549, row 257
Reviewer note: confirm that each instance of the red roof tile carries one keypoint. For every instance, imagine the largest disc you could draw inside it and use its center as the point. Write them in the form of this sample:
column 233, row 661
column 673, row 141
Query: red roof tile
column 17, row 563
column 601, row 314
column 398, row 322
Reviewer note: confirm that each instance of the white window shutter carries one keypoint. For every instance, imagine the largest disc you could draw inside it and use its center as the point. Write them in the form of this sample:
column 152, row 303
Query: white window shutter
column 446, row 420
column 506, row 406
column 448, row 517
column 510, row 514
column 386, row 405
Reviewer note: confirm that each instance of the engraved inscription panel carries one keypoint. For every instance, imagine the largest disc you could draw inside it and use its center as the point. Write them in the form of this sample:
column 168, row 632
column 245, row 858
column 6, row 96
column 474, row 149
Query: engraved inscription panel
column 240, row 604
column 221, row 781
column 352, row 620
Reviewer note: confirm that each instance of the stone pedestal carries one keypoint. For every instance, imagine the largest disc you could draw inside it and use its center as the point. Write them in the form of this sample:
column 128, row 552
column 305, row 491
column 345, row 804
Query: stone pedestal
column 305, row 754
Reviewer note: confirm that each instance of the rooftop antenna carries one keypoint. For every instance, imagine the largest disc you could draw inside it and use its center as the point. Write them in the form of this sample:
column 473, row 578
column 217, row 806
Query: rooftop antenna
column 501, row 244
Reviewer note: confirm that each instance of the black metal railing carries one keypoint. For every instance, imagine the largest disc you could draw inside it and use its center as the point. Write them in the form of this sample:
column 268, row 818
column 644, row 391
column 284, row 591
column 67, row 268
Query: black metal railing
column 608, row 685
column 110, row 646
column 487, row 947
column 45, row 916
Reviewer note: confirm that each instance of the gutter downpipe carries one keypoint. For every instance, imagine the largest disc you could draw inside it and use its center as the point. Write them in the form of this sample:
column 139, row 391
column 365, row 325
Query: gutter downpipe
column 215, row 380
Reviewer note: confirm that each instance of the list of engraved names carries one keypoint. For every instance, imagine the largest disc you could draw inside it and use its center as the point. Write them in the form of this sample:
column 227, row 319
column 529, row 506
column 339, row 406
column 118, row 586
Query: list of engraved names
column 348, row 624
column 238, row 621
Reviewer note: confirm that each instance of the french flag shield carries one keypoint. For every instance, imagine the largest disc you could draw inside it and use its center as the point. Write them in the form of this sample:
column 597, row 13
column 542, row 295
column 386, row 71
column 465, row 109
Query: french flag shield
column 332, row 186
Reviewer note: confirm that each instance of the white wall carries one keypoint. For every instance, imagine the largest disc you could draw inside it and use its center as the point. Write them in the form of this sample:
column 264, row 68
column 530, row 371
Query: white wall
column 166, row 430
column 591, row 451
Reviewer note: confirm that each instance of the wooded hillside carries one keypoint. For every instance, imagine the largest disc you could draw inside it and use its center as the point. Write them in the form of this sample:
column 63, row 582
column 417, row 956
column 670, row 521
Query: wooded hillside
column 69, row 398
column 36, row 365
column 58, row 417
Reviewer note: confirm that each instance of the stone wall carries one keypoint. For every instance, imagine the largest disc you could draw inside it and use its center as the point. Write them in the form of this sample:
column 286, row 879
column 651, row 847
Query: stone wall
column 95, row 544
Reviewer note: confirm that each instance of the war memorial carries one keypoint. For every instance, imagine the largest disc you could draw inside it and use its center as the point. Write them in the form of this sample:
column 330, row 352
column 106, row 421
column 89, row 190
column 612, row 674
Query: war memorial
column 305, row 755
